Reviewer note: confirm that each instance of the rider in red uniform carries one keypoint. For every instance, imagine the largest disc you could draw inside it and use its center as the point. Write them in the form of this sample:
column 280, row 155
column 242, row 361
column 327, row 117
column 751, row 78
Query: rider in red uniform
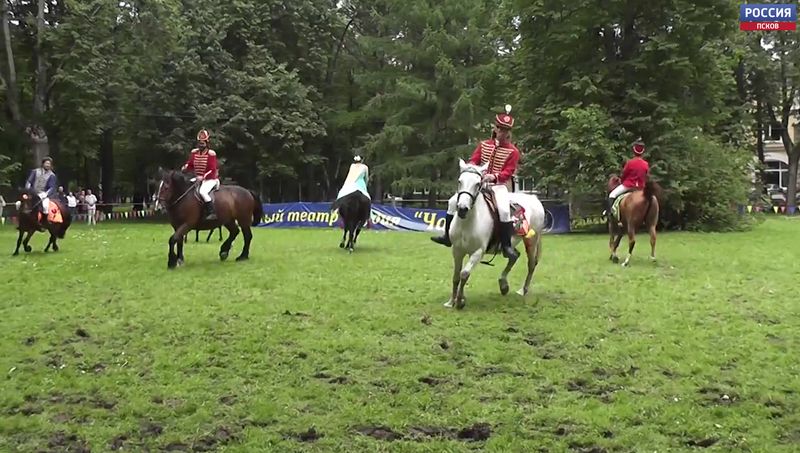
column 503, row 158
column 634, row 175
column 203, row 162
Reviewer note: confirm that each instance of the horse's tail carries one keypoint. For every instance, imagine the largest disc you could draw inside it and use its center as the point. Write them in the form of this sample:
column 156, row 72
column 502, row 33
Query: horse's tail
column 649, row 192
column 258, row 209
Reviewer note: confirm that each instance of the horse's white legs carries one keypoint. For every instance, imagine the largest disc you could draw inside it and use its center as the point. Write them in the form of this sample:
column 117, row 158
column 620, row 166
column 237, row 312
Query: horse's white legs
column 631, row 244
column 503, row 280
column 534, row 253
column 473, row 260
column 458, row 262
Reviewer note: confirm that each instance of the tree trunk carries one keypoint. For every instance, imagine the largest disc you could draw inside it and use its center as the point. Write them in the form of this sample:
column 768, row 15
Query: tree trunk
column 791, row 190
column 107, row 166
column 10, row 78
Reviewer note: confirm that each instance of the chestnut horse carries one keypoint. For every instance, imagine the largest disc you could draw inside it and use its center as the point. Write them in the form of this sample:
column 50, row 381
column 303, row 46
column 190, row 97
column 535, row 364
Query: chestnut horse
column 28, row 205
column 232, row 204
column 636, row 208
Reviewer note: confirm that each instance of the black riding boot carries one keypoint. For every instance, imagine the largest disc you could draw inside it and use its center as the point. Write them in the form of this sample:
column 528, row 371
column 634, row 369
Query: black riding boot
column 209, row 208
column 506, row 232
column 445, row 238
column 43, row 221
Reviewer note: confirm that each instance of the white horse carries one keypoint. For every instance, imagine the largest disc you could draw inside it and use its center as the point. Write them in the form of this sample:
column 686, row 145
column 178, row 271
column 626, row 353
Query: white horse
column 473, row 227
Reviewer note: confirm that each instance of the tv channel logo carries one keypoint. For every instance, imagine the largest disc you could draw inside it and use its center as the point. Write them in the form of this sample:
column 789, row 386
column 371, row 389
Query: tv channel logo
column 753, row 17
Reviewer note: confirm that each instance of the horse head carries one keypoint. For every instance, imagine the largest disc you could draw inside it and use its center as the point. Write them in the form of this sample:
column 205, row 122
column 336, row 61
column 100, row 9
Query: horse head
column 26, row 202
column 470, row 181
column 173, row 185
column 613, row 182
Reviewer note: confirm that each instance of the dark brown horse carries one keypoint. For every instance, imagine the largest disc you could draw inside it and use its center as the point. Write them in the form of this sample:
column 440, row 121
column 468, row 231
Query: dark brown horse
column 635, row 209
column 208, row 238
column 29, row 207
column 232, row 204
column 354, row 209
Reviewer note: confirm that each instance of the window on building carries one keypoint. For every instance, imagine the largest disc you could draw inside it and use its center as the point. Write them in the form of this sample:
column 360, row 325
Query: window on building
column 773, row 133
column 776, row 173
column 524, row 184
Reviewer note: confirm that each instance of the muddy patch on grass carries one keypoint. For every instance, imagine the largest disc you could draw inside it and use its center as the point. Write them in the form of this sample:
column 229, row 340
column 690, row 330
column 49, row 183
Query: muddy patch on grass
column 379, row 433
column 492, row 371
column 432, row 380
column 702, row 443
column 82, row 333
column 228, row 400
column 603, row 392
column 210, row 442
column 150, row 429
column 713, row 395
column 169, row 402
column 475, row 433
column 311, row 435
column 177, row 446
column 30, row 341
column 296, row 314
column 118, row 443
column 62, row 441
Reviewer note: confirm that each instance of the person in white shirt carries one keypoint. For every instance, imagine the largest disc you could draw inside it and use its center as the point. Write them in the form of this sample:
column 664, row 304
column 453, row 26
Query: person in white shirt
column 72, row 203
column 2, row 205
column 91, row 207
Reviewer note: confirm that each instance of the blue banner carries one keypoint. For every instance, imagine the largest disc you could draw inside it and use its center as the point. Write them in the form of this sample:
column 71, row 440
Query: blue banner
column 385, row 217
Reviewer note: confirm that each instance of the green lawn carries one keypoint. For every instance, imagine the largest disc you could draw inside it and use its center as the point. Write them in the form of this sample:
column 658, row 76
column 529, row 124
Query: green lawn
column 306, row 348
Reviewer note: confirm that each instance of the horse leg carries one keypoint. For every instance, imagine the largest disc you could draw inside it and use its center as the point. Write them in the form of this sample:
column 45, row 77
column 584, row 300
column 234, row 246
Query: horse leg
column 210, row 233
column 461, row 300
column 219, row 229
column 196, row 235
column 248, row 236
column 350, row 237
column 177, row 238
column 631, row 243
column 652, row 231
column 503, row 280
column 344, row 235
column 534, row 253
column 233, row 231
column 19, row 242
column 27, row 239
column 179, row 247
column 458, row 263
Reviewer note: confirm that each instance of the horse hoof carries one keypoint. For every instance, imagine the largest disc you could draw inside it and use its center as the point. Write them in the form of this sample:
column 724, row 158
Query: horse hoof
column 223, row 256
column 449, row 304
column 652, row 258
column 461, row 303
column 522, row 292
column 615, row 259
column 503, row 287
column 243, row 258
column 341, row 246
column 180, row 263
column 15, row 254
column 625, row 264
column 28, row 248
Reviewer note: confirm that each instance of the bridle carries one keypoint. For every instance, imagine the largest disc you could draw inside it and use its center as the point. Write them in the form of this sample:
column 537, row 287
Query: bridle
column 472, row 197
column 167, row 205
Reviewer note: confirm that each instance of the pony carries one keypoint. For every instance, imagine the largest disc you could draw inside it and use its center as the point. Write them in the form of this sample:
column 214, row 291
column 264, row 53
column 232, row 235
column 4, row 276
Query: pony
column 233, row 204
column 354, row 209
column 636, row 207
column 474, row 231
column 28, row 204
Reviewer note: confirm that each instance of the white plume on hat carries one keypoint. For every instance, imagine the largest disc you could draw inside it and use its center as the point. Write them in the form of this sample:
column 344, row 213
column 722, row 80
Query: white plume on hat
column 357, row 159
column 508, row 108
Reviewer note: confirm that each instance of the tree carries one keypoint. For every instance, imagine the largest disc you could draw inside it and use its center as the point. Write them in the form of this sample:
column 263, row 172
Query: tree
column 605, row 72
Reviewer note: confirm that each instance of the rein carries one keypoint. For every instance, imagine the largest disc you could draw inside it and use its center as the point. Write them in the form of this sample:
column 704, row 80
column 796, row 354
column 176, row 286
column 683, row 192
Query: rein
column 175, row 203
column 472, row 197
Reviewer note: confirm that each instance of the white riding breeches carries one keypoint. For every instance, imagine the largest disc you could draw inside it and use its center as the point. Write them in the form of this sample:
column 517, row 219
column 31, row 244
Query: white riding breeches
column 501, row 199
column 619, row 190
column 45, row 201
column 206, row 187
column 503, row 202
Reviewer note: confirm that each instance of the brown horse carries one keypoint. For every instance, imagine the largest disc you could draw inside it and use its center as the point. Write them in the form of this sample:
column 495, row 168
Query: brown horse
column 232, row 204
column 27, row 213
column 636, row 208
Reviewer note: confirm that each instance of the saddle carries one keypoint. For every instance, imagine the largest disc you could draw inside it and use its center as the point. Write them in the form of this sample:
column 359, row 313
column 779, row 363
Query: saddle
column 518, row 219
column 53, row 213
column 615, row 214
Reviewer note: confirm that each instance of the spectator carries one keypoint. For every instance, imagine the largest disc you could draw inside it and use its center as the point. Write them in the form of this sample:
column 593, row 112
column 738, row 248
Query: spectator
column 82, row 202
column 2, row 205
column 72, row 203
column 91, row 207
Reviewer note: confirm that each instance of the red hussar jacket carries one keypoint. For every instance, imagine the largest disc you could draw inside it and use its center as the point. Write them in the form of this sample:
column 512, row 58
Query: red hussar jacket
column 502, row 159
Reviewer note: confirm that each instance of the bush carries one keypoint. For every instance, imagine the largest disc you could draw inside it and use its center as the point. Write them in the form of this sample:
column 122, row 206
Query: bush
column 704, row 181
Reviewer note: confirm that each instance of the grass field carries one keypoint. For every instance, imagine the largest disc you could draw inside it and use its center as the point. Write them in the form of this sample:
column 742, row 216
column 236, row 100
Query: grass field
column 305, row 348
